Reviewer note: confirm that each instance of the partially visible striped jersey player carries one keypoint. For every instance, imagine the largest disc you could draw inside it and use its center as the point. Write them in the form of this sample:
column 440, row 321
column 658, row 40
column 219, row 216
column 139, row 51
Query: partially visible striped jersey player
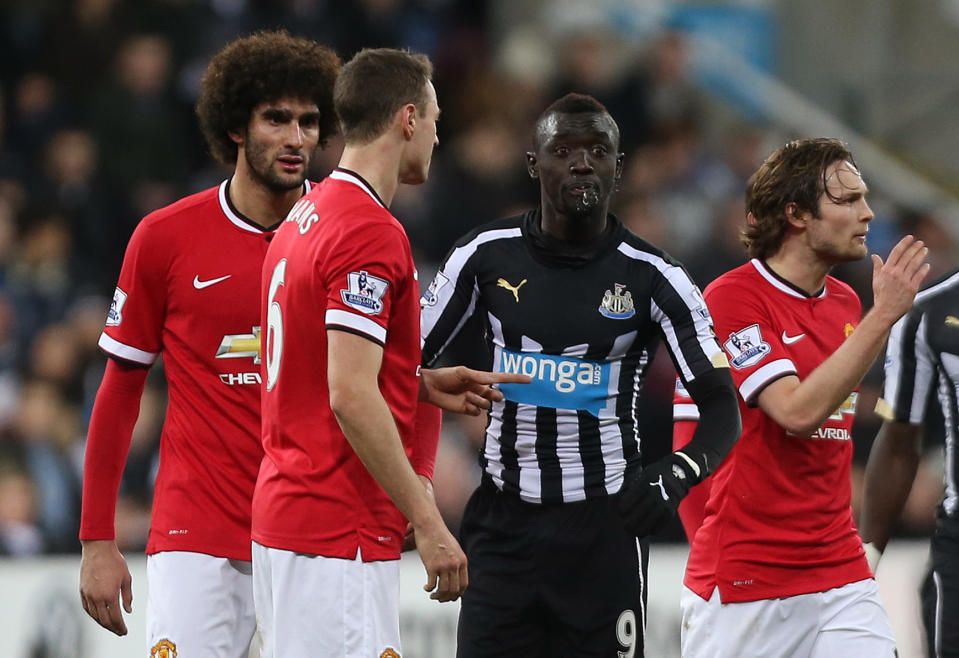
column 922, row 361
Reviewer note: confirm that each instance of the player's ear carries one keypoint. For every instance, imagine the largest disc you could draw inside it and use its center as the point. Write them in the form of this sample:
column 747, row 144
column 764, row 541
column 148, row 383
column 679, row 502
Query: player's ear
column 238, row 137
column 794, row 216
column 408, row 120
column 620, row 159
column 531, row 165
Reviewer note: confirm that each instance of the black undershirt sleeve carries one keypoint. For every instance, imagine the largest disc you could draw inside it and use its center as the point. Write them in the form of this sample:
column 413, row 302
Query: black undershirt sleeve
column 719, row 422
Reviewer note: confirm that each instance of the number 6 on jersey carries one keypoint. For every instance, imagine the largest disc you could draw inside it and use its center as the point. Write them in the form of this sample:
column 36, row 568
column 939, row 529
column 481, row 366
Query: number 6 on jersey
column 274, row 326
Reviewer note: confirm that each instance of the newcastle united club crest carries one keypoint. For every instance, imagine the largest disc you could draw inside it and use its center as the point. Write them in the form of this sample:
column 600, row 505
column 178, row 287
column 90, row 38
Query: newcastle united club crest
column 617, row 305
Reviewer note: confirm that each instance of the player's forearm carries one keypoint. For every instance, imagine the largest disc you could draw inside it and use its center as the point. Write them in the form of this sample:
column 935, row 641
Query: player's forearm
column 890, row 472
column 827, row 387
column 427, row 427
column 115, row 412
column 719, row 424
column 368, row 425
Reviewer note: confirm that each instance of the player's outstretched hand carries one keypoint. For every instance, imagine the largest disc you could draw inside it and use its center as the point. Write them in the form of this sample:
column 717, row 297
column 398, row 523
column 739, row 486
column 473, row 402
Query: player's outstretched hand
column 444, row 560
column 104, row 578
column 650, row 497
column 896, row 281
column 463, row 389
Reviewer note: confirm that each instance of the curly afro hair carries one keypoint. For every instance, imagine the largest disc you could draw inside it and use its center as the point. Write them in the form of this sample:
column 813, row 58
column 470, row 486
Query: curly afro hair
column 262, row 68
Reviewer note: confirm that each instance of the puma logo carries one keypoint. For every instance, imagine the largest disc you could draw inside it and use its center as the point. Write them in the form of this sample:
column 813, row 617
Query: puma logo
column 662, row 487
column 503, row 283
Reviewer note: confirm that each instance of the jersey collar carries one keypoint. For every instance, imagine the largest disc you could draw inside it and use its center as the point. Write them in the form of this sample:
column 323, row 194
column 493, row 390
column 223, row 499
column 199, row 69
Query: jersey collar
column 557, row 253
column 237, row 218
column 352, row 177
column 781, row 284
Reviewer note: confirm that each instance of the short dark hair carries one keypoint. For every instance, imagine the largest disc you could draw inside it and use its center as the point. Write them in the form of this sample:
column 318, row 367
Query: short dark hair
column 575, row 104
column 262, row 68
column 374, row 85
column 794, row 173
column 572, row 103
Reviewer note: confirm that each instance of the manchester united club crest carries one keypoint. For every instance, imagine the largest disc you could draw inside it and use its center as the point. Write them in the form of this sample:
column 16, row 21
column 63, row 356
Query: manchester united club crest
column 390, row 652
column 617, row 304
column 848, row 329
column 163, row 649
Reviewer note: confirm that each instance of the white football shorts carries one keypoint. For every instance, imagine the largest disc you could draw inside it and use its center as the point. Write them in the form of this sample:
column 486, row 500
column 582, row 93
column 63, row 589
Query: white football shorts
column 847, row 621
column 199, row 605
column 310, row 605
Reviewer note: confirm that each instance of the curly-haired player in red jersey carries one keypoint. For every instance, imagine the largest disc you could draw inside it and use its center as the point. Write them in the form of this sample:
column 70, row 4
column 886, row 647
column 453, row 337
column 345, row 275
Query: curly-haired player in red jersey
column 189, row 291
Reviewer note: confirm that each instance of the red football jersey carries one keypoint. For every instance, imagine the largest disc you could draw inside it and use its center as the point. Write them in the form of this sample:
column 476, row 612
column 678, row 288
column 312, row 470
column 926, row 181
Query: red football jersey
column 189, row 291
column 685, row 420
column 778, row 520
column 339, row 261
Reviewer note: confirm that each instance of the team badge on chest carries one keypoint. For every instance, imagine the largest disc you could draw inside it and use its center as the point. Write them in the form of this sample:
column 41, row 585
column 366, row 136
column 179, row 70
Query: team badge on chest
column 617, row 305
column 163, row 649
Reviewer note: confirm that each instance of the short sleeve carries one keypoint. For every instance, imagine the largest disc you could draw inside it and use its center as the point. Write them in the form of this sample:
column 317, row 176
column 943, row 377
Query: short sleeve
column 687, row 327
column 750, row 338
column 448, row 302
column 361, row 274
column 910, row 371
column 134, row 326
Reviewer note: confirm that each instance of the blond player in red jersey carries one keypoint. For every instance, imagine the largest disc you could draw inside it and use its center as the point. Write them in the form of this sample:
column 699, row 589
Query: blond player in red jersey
column 189, row 292
column 341, row 385
column 777, row 567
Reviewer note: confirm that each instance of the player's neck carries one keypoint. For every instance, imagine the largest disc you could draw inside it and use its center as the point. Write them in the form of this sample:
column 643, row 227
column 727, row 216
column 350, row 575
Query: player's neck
column 378, row 162
column 261, row 205
column 803, row 269
column 574, row 230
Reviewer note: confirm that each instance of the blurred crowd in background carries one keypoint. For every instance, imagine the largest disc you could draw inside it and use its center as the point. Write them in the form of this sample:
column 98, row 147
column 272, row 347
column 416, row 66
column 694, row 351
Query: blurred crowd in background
column 97, row 129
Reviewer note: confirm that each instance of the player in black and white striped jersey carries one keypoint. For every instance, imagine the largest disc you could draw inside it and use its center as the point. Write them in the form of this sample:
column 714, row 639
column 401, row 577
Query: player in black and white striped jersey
column 922, row 359
column 571, row 298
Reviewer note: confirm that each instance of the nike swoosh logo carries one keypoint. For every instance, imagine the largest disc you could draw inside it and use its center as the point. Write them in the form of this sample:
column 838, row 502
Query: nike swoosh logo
column 200, row 285
column 789, row 340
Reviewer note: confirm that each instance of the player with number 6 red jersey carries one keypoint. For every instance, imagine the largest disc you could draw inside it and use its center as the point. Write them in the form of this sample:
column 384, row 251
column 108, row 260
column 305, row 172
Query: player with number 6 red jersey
column 343, row 262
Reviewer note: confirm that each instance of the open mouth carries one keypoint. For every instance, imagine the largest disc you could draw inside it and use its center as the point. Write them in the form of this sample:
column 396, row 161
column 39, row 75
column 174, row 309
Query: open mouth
column 581, row 188
column 585, row 194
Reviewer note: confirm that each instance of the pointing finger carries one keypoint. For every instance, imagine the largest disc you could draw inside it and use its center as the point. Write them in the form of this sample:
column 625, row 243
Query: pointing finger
column 483, row 377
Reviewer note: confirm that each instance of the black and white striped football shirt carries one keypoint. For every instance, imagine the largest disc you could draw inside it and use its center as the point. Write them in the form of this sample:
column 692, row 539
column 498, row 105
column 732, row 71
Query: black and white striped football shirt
column 583, row 329
column 922, row 357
